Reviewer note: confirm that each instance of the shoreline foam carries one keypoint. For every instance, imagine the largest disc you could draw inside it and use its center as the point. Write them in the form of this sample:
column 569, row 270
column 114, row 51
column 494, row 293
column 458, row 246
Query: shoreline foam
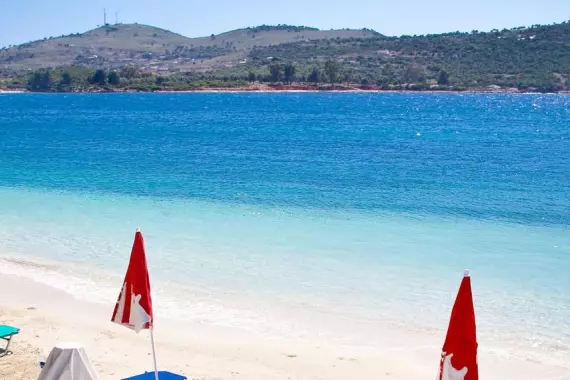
column 204, row 350
column 47, row 316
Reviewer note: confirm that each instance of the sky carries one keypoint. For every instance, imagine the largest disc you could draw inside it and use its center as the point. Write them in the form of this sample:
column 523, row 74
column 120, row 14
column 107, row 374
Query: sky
column 27, row 20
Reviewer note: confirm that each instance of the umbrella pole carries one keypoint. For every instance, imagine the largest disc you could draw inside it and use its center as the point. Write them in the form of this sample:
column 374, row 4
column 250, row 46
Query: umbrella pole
column 153, row 352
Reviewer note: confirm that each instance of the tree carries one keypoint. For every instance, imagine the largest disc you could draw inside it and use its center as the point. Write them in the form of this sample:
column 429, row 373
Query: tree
column 114, row 78
column 40, row 81
column 332, row 69
column 129, row 72
column 275, row 72
column 65, row 82
column 443, row 78
column 315, row 76
column 99, row 78
column 414, row 74
column 388, row 72
column 251, row 76
column 346, row 77
column 65, row 78
column 289, row 72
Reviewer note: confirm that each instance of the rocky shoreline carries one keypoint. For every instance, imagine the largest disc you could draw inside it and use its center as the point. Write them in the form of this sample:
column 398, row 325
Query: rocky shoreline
column 299, row 88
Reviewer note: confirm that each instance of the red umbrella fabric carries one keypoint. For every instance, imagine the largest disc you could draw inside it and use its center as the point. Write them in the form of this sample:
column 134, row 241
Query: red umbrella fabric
column 134, row 305
column 459, row 356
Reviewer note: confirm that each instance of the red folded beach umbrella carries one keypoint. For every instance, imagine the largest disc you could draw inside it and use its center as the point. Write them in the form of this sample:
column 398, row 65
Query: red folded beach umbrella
column 134, row 305
column 459, row 354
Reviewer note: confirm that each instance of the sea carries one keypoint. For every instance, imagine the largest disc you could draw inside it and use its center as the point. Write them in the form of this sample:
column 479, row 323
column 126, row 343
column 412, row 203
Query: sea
column 332, row 216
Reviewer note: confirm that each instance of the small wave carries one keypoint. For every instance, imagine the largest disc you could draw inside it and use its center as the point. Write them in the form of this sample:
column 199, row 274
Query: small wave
column 170, row 301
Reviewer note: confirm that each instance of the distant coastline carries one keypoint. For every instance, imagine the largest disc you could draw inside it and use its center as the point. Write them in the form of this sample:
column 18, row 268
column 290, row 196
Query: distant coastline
column 288, row 58
column 286, row 89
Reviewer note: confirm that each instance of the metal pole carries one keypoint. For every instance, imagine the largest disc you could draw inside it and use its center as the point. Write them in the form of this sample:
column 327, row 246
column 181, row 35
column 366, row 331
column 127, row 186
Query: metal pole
column 153, row 352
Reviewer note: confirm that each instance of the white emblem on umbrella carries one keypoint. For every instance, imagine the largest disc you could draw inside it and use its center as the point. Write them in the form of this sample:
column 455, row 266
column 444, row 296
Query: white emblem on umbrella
column 450, row 373
column 139, row 317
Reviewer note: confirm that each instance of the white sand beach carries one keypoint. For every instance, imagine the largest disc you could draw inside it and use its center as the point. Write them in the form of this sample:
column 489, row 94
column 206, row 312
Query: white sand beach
column 47, row 316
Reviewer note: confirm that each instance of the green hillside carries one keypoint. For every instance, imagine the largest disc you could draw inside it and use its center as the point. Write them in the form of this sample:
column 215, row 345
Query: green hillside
column 140, row 57
column 537, row 56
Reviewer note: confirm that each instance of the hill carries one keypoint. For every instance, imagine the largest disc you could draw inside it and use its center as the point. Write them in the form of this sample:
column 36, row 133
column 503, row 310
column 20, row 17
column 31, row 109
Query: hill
column 139, row 57
column 114, row 46
column 526, row 57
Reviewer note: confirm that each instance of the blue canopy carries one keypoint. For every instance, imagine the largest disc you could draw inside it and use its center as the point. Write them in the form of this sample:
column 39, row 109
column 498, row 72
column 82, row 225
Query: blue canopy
column 162, row 375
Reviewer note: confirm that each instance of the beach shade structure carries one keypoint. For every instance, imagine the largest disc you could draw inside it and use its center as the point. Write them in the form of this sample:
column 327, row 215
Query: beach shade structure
column 67, row 362
column 6, row 333
column 459, row 354
column 134, row 305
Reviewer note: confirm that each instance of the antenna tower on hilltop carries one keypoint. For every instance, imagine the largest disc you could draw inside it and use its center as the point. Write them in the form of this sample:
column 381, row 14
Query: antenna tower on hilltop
column 104, row 17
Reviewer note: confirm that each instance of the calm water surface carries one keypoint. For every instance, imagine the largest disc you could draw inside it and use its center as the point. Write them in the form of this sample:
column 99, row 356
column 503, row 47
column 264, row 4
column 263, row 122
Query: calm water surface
column 364, row 206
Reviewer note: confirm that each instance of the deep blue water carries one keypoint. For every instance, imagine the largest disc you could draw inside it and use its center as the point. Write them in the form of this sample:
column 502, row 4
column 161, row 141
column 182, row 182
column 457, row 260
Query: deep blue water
column 481, row 156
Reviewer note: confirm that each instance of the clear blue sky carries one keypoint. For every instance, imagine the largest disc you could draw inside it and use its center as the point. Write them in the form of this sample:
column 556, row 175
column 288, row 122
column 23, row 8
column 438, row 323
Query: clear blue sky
column 26, row 20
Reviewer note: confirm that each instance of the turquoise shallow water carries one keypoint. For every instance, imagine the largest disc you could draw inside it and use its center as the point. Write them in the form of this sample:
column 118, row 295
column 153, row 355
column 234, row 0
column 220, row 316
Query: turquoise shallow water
column 365, row 207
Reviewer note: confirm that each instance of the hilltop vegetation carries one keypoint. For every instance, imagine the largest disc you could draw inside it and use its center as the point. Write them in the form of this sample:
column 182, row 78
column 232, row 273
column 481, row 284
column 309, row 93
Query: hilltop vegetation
column 535, row 58
column 523, row 58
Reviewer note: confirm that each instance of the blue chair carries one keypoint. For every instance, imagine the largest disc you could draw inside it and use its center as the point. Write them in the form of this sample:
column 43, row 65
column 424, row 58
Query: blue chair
column 162, row 375
column 6, row 333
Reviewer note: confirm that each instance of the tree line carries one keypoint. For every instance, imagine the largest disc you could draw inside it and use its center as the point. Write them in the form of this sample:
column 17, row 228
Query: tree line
column 287, row 73
column 81, row 79
column 330, row 72
column 66, row 79
column 129, row 77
